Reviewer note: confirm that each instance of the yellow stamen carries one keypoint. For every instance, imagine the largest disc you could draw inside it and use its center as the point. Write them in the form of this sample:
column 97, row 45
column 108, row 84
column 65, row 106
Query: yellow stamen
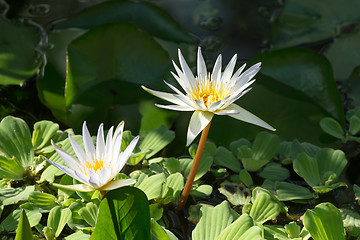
column 208, row 92
column 94, row 164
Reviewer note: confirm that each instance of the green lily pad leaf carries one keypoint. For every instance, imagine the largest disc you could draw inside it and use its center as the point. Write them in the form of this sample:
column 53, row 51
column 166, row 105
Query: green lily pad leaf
column 293, row 230
column 11, row 222
column 57, row 219
column 106, row 59
column 243, row 228
column 275, row 172
column 332, row 127
column 203, row 190
column 10, row 196
column 153, row 117
column 43, row 200
column 146, row 15
column 123, row 214
column 212, row 221
column 79, row 235
column 265, row 146
column 236, row 194
column 354, row 125
column 323, row 170
column 51, row 86
column 225, row 158
column 11, row 168
column 204, row 166
column 288, row 191
column 290, row 150
column 89, row 213
column 173, row 186
column 19, row 59
column 264, row 208
column 341, row 57
column 324, row 222
column 315, row 81
column 351, row 220
column 251, row 165
column 235, row 145
column 151, row 186
column 172, row 165
column 156, row 211
column 303, row 22
column 15, row 140
column 23, row 230
column 43, row 132
column 156, row 140
column 157, row 232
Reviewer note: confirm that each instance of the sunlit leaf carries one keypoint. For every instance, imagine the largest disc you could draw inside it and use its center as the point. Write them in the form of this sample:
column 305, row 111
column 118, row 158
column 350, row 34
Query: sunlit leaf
column 11, row 168
column 33, row 214
column 43, row 200
column 264, row 208
column 242, row 229
column 151, row 186
column 43, row 132
column 57, row 219
column 24, row 230
column 89, row 213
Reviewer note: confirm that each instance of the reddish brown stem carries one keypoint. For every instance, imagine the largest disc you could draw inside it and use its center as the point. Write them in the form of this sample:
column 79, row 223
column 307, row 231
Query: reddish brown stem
column 102, row 193
column 190, row 179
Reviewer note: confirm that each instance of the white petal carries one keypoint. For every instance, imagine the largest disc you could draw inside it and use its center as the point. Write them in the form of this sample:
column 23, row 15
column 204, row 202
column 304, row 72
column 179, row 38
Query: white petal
column 201, row 66
column 83, row 177
column 70, row 161
column 215, row 106
column 238, row 72
column 88, row 143
column 235, row 98
column 182, row 79
column 229, row 69
column 201, row 105
column 175, row 107
column 199, row 120
column 180, row 95
column 186, row 70
column 117, row 184
column 66, row 170
column 246, row 116
column 94, row 180
column 216, row 74
column 75, row 187
column 126, row 154
column 100, row 143
column 108, row 144
column 116, row 146
column 163, row 95
column 77, row 149
column 226, row 112
column 248, row 74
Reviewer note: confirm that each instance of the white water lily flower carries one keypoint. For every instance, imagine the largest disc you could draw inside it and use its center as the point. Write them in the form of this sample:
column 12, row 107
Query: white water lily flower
column 96, row 168
column 208, row 94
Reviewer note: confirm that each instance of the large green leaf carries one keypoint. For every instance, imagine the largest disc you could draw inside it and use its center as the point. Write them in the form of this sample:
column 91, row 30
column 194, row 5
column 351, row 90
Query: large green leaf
column 89, row 213
column 123, row 214
column 213, row 221
column 145, row 15
column 152, row 186
column 306, row 21
column 322, row 171
column 15, row 140
column 19, row 59
column 288, row 191
column 264, row 208
column 11, row 222
column 314, row 80
column 324, row 222
column 10, row 196
column 241, row 229
column 10, row 168
column 24, row 230
column 43, row 200
column 114, row 60
column 43, row 132
column 57, row 220
column 225, row 158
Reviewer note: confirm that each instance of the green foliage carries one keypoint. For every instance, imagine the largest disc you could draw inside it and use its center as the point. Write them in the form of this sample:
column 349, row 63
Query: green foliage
column 324, row 222
column 322, row 171
column 123, row 214
column 24, row 230
column 57, row 219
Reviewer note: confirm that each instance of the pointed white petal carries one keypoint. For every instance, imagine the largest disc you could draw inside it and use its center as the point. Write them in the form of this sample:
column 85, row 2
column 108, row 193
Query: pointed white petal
column 201, row 105
column 66, row 170
column 181, row 96
column 77, row 149
column 238, row 72
column 116, row 146
column 248, row 75
column 226, row 112
column 100, row 143
column 235, row 98
column 246, row 116
column 83, row 177
column 182, row 79
column 117, row 184
column 88, row 143
column 229, row 70
column 216, row 74
column 166, row 96
column 175, row 107
column 75, row 187
column 186, row 70
column 201, row 66
column 94, row 180
column 238, row 89
column 70, row 161
column 199, row 120
column 108, row 144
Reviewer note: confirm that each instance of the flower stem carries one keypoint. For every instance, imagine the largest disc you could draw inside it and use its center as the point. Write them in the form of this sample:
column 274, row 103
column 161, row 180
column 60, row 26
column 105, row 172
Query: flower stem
column 194, row 167
column 102, row 193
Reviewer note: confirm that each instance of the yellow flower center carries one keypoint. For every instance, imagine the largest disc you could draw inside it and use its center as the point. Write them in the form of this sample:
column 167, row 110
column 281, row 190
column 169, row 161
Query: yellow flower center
column 94, row 164
column 209, row 92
